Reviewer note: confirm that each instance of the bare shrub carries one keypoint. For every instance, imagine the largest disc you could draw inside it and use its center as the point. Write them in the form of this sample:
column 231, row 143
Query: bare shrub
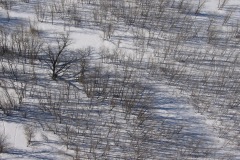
column 40, row 11
column 29, row 132
column 200, row 5
column 222, row 3
column 4, row 144
column 7, row 100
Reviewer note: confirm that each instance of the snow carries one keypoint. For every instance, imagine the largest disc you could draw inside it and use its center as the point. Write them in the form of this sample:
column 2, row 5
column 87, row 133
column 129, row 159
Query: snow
column 42, row 147
column 169, row 102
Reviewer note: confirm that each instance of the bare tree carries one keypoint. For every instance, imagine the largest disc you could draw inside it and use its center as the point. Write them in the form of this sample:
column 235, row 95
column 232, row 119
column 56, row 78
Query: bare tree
column 200, row 5
column 4, row 145
column 40, row 11
column 227, row 16
column 7, row 101
column 7, row 4
column 84, row 62
column 222, row 3
column 29, row 132
column 58, row 57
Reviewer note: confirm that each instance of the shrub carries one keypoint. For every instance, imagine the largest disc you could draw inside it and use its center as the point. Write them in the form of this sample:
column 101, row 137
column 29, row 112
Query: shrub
column 4, row 145
column 29, row 133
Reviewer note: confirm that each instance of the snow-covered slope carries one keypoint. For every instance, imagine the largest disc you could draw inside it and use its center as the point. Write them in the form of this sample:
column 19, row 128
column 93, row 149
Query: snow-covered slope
column 148, row 92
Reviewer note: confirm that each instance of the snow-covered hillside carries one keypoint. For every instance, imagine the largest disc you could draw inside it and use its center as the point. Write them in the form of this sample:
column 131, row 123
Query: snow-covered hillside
column 125, row 79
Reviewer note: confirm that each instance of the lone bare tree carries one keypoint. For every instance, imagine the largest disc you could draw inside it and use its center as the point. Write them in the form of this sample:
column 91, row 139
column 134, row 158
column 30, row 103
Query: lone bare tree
column 58, row 58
